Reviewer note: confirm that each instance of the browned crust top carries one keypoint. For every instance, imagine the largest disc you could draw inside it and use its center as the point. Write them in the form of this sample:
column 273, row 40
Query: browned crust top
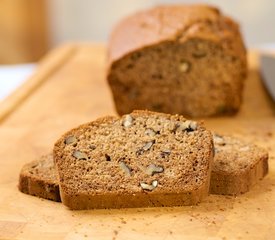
column 175, row 23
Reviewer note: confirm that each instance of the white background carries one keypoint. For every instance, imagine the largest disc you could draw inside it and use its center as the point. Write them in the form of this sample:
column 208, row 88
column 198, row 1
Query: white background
column 93, row 20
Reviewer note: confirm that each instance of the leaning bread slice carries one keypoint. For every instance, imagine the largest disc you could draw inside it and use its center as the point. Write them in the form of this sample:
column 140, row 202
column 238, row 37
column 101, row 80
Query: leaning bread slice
column 39, row 178
column 143, row 159
column 238, row 165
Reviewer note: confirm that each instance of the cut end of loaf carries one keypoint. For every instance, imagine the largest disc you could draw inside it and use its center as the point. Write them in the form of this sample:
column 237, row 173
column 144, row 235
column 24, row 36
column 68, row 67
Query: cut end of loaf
column 195, row 78
column 144, row 155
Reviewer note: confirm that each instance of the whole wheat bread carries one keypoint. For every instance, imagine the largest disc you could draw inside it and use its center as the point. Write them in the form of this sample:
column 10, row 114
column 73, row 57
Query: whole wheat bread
column 238, row 165
column 144, row 159
column 39, row 178
column 187, row 59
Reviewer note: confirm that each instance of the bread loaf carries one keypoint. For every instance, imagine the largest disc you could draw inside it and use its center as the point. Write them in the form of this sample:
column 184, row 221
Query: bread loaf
column 187, row 59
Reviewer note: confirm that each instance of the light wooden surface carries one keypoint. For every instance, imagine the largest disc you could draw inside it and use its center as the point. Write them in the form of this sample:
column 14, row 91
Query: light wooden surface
column 57, row 58
column 74, row 91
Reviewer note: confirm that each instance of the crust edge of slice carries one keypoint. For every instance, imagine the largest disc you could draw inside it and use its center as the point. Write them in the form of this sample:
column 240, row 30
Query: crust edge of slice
column 37, row 186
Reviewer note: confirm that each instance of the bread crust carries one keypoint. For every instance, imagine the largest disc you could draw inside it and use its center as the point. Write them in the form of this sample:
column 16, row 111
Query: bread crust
column 82, row 201
column 174, row 23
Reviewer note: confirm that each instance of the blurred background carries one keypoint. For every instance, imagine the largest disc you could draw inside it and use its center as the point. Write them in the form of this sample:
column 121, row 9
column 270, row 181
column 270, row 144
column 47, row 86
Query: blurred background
column 31, row 28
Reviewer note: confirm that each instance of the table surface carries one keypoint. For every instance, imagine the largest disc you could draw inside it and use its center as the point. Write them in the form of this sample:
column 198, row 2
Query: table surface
column 69, row 88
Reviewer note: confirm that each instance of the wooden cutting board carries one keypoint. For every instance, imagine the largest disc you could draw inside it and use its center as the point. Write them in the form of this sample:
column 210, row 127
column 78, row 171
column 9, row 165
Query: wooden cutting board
column 69, row 88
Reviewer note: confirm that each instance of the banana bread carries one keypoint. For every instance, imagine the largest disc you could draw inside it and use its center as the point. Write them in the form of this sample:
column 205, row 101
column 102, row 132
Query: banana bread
column 187, row 59
column 238, row 165
column 39, row 178
column 143, row 159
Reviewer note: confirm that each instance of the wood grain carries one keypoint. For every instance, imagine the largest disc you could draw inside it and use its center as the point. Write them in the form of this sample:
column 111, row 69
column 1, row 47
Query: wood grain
column 76, row 92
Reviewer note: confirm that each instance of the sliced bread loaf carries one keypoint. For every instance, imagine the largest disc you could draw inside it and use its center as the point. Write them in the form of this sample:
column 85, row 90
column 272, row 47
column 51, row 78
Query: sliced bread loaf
column 39, row 178
column 238, row 165
column 187, row 59
column 144, row 159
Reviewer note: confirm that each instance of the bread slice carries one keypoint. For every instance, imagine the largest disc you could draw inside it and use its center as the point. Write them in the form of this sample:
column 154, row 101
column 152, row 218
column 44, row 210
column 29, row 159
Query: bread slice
column 144, row 159
column 186, row 59
column 238, row 165
column 39, row 178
